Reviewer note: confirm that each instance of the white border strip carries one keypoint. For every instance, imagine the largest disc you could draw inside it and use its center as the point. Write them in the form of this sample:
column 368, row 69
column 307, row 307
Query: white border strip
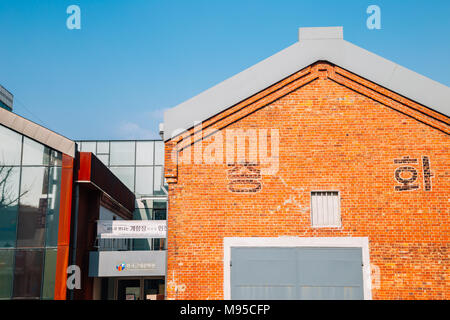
column 358, row 242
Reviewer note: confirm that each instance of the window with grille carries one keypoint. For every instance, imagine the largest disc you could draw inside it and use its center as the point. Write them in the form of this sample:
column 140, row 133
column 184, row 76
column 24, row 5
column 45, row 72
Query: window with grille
column 325, row 209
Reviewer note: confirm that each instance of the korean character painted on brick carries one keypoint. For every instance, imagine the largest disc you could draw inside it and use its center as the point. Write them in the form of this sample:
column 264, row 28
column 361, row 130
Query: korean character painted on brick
column 244, row 177
column 406, row 175
column 408, row 183
column 427, row 174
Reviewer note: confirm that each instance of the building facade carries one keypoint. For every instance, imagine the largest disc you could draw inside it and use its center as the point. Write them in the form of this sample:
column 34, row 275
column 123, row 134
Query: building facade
column 55, row 194
column 322, row 172
column 139, row 166
column 35, row 207
column 6, row 99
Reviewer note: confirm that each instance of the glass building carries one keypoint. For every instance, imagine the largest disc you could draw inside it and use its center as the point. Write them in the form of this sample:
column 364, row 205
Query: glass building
column 139, row 165
column 53, row 192
column 30, row 186
column 6, row 99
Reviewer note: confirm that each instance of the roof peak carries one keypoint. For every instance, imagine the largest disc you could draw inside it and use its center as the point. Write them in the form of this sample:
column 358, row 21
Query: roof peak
column 320, row 33
column 315, row 44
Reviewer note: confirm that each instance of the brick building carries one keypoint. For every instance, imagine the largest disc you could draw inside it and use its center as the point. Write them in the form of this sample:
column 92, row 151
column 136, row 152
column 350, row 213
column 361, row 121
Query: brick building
column 320, row 172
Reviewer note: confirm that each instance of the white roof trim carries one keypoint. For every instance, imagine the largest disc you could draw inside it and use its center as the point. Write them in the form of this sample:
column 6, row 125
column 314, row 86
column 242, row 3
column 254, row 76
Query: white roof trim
column 315, row 44
column 37, row 132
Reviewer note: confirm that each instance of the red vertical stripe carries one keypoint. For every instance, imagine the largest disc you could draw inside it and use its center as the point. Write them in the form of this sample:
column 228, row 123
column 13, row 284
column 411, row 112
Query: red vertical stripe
column 65, row 209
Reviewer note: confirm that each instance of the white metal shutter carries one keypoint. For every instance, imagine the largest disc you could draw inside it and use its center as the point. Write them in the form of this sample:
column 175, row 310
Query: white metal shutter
column 325, row 209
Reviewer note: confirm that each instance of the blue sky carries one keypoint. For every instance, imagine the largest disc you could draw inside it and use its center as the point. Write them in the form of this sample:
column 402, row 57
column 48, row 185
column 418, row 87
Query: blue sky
column 113, row 78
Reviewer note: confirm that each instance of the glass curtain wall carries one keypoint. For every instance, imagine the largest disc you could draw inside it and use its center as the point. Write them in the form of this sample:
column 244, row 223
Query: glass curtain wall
column 30, row 185
column 140, row 166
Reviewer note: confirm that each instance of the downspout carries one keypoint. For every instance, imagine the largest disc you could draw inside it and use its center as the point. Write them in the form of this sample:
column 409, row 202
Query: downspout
column 75, row 216
column 75, row 232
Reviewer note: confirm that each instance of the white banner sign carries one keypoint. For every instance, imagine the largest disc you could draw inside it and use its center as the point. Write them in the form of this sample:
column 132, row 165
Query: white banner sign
column 131, row 229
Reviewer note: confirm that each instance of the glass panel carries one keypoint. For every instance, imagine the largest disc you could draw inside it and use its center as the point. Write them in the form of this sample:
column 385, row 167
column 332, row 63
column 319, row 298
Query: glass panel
column 107, row 291
column 129, row 289
column 102, row 147
column 55, row 158
column 10, row 147
column 54, row 192
column 88, row 146
column 48, row 289
column 6, row 273
column 122, row 153
column 153, row 289
column 144, row 181
column 158, row 244
column 126, row 175
column 9, row 199
column 32, row 207
column 142, row 214
column 28, row 273
column 160, row 204
column 159, row 153
column 104, row 158
column 35, row 153
column 159, row 214
column 144, row 153
column 158, row 180
column 141, row 244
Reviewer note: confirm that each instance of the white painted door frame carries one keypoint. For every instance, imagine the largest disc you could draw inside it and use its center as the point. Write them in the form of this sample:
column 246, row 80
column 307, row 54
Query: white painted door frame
column 329, row 242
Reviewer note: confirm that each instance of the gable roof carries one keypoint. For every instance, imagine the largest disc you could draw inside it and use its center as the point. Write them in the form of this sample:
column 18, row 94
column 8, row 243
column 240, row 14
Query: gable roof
column 315, row 44
column 37, row 132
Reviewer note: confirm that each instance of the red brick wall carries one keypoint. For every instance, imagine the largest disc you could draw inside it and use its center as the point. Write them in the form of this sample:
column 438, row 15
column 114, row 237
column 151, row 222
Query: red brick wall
column 336, row 132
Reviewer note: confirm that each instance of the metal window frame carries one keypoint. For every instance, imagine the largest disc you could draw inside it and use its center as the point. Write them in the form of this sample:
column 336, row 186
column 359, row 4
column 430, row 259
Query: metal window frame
column 153, row 166
column 141, row 284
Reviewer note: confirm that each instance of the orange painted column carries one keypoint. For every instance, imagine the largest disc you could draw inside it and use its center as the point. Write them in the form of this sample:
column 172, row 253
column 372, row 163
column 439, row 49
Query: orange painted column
column 65, row 209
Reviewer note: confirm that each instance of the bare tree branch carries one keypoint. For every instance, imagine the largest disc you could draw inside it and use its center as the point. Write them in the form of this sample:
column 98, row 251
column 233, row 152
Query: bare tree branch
column 7, row 193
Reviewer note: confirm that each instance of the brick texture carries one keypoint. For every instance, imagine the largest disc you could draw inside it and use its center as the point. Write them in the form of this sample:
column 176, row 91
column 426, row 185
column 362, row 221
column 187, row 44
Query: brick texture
column 337, row 131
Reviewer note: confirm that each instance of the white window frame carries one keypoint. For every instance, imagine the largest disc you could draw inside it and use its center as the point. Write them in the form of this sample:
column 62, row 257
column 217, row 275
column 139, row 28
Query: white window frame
column 329, row 242
column 339, row 203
